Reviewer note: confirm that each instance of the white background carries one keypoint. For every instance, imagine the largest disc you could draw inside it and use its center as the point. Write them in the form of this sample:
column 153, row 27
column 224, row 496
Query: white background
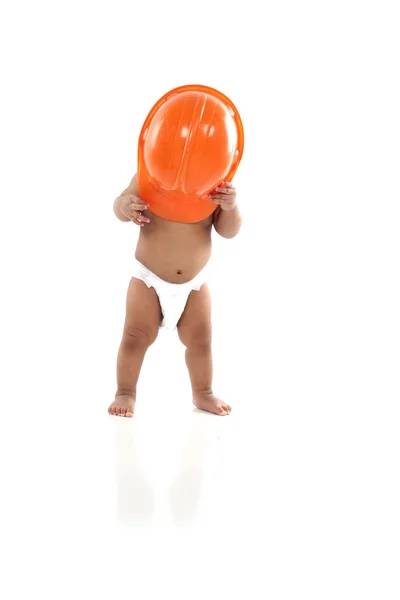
column 296, row 495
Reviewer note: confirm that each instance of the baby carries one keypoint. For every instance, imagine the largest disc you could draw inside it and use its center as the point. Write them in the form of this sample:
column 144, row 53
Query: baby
column 168, row 290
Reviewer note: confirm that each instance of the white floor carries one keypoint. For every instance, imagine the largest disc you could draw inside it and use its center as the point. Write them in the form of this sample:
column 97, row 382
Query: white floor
column 292, row 496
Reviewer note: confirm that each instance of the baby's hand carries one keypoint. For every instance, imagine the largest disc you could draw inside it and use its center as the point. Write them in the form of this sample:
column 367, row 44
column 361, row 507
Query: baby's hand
column 225, row 196
column 131, row 207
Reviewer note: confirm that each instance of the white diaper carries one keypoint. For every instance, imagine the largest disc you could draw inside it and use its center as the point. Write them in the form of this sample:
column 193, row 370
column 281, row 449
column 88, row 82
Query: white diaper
column 172, row 296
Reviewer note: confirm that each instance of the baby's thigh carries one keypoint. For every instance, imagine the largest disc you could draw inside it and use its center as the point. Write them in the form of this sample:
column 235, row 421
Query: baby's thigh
column 143, row 311
column 195, row 323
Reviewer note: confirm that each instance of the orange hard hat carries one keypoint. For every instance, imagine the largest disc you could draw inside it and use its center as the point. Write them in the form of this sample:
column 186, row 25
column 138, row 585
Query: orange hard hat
column 190, row 142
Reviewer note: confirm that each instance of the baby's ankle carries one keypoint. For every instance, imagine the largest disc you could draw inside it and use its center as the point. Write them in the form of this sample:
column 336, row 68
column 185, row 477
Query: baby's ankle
column 125, row 392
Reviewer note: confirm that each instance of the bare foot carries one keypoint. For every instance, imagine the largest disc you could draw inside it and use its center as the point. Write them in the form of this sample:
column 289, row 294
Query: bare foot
column 212, row 404
column 123, row 406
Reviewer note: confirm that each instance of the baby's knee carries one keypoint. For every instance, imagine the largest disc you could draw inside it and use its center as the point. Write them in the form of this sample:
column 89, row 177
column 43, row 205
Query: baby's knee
column 199, row 338
column 139, row 337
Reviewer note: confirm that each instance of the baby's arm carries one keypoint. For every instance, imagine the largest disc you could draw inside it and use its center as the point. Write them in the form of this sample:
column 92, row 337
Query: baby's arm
column 128, row 206
column 227, row 217
column 120, row 201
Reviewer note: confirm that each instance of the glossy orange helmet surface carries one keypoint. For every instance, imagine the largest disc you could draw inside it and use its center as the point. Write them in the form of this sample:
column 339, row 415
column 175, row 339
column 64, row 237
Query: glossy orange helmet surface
column 190, row 142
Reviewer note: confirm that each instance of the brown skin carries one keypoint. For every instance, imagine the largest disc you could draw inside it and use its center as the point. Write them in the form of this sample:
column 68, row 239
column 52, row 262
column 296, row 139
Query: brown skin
column 176, row 252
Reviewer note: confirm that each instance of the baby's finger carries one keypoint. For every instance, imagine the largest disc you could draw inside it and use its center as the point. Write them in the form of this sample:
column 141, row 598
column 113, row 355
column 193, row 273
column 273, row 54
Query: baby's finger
column 138, row 215
column 225, row 191
column 227, row 184
column 138, row 218
column 221, row 197
column 135, row 205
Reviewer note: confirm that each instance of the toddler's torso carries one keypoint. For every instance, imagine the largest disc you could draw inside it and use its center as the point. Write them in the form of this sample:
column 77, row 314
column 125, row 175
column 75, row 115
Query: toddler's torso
column 176, row 252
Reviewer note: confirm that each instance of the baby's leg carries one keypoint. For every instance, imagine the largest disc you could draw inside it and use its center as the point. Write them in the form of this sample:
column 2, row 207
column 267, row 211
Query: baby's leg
column 143, row 317
column 194, row 329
